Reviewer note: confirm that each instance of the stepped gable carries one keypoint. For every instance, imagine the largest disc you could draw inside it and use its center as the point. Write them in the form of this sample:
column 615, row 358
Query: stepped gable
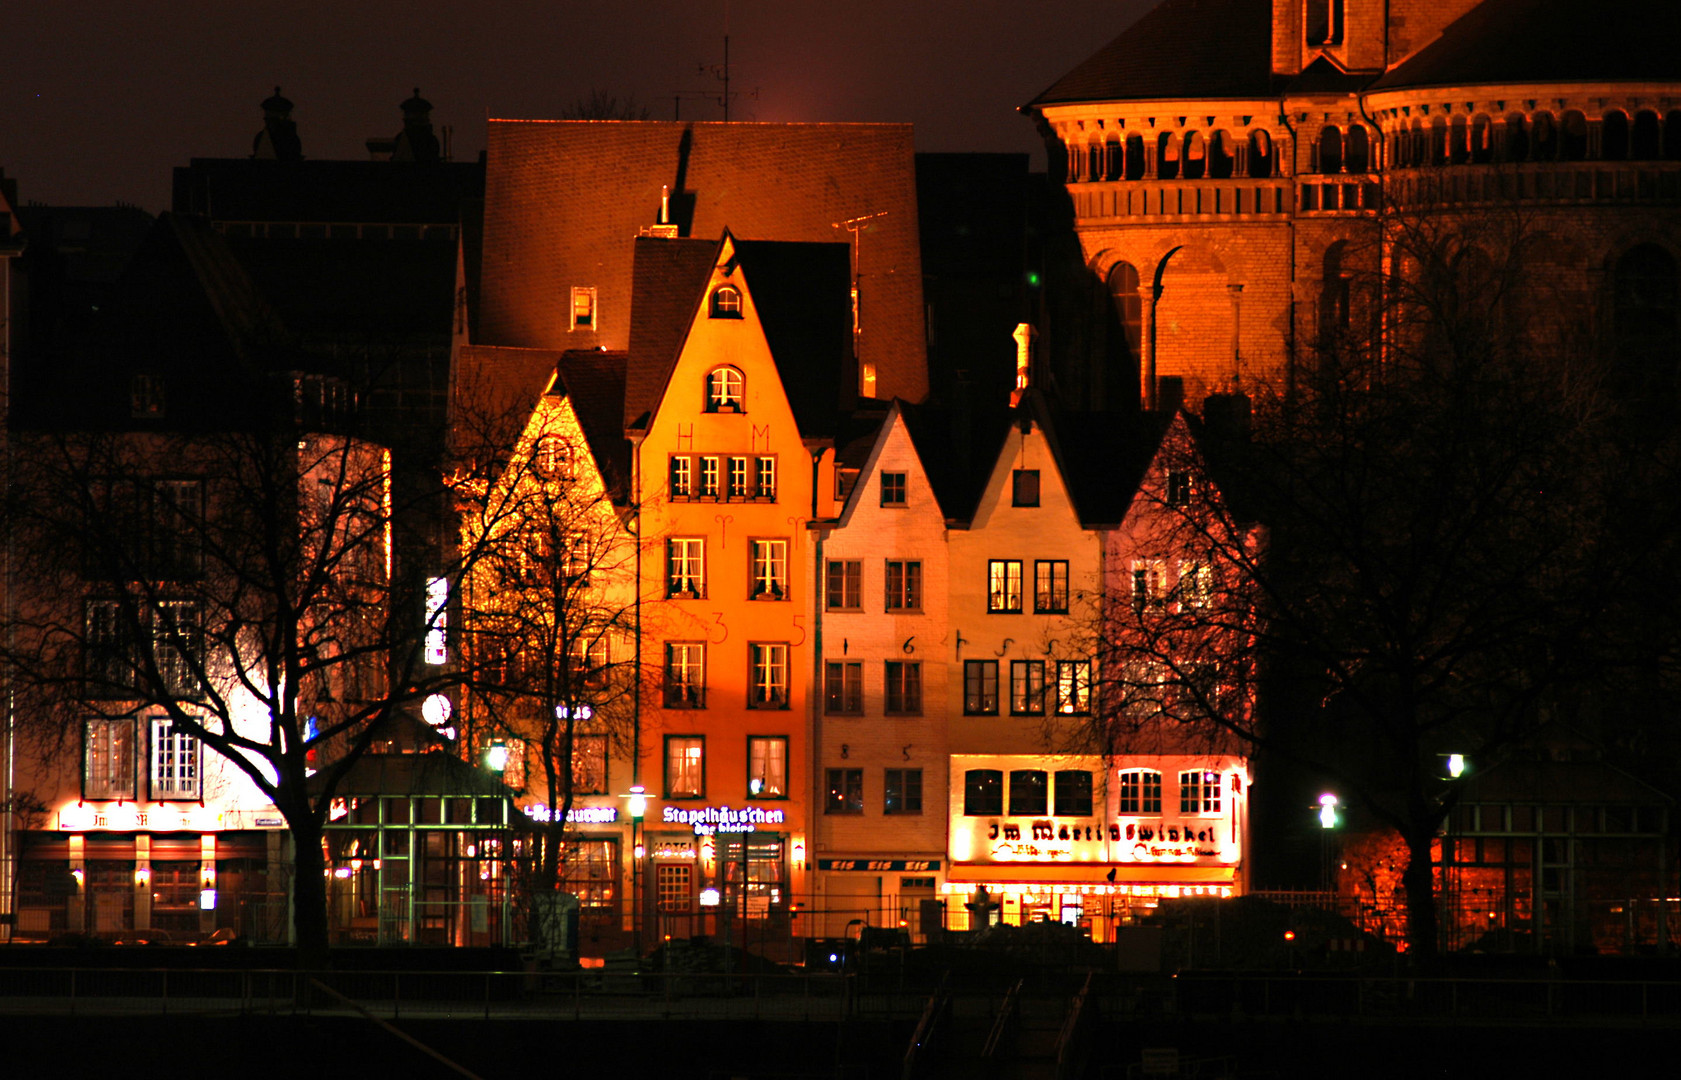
column 1181, row 49
column 1528, row 41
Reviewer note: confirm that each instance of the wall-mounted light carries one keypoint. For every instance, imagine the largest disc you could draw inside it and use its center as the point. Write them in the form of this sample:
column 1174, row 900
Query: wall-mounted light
column 1456, row 765
column 143, row 876
column 496, row 758
column 709, row 898
column 638, row 802
column 797, row 849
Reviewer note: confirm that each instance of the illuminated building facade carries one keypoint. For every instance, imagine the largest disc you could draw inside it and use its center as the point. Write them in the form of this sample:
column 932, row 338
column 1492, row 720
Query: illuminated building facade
column 1228, row 164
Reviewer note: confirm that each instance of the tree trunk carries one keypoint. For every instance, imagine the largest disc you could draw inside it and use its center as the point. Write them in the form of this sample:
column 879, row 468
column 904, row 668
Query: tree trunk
column 309, row 892
column 1418, row 884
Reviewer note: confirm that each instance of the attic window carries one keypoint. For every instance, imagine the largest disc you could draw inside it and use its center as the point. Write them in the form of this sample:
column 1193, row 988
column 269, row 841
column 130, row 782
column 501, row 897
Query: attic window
column 1024, row 487
column 726, row 302
column 583, row 307
column 725, row 390
column 553, row 458
column 145, row 393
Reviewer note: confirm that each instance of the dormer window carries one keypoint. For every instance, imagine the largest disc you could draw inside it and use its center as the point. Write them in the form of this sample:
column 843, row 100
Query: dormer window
column 583, row 307
column 726, row 302
column 725, row 390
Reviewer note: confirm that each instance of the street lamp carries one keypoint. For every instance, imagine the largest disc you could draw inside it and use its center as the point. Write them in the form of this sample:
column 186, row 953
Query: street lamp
column 496, row 757
column 638, row 805
column 1328, row 820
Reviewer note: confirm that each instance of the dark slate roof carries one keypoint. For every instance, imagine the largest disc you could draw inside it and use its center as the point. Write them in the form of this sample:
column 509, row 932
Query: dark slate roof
column 1324, row 77
column 1520, row 41
column 1104, row 457
column 395, row 289
column 669, row 277
column 958, row 448
column 595, row 382
column 803, row 295
column 416, row 774
column 1180, row 49
column 494, row 392
column 410, row 193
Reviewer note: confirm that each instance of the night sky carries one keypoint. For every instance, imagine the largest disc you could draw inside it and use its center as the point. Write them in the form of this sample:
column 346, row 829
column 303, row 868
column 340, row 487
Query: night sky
column 100, row 98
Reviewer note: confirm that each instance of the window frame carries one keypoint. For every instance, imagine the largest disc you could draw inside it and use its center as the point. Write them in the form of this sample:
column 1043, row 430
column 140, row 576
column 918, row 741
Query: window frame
column 901, row 794
column 975, row 704
column 1025, row 488
column 983, row 793
column 755, row 743
column 690, row 553
column 120, row 751
column 685, row 743
column 850, row 686
column 843, row 792
column 175, row 762
column 764, row 581
column 726, row 390
column 909, row 586
column 908, row 675
column 895, row 486
column 1060, row 803
column 851, row 584
column 680, row 478
column 765, row 659
column 586, row 313
column 1201, row 792
column 1000, row 600
column 725, row 303
column 1073, row 687
column 696, row 690
column 1020, row 675
column 1032, row 800
column 1043, row 568
column 579, row 766
column 1138, row 795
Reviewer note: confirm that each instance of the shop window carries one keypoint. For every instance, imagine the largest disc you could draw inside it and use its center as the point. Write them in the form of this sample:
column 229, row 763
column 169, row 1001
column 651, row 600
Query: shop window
column 591, row 872
column 844, row 791
column 175, row 762
column 980, row 687
column 726, row 390
column 1050, row 587
column 983, row 792
column 1003, row 586
column 1141, row 792
column 844, row 588
column 726, row 302
column 685, row 766
column 1027, row 687
column 1029, row 792
column 902, row 791
column 767, row 767
column 1199, row 792
column 769, row 570
column 904, row 688
column 904, row 586
column 108, row 759
column 685, row 675
column 1073, row 793
column 768, row 675
column 893, row 489
column 1024, row 487
column 843, row 687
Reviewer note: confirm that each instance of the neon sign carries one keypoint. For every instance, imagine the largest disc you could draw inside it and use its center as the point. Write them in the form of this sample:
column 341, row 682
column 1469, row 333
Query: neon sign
column 579, row 815
column 707, row 820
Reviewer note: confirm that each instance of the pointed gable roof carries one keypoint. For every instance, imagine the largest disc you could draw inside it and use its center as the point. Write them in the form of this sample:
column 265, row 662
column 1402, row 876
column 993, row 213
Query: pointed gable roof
column 668, row 278
column 958, row 448
column 1104, row 458
column 1179, row 49
column 595, row 383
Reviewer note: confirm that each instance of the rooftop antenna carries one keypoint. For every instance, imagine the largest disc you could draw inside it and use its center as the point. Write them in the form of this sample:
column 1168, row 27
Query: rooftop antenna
column 721, row 72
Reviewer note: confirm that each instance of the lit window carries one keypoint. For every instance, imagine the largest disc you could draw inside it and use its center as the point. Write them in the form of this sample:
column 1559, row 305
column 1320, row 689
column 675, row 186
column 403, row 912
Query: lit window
column 685, row 766
column 765, row 479
column 767, row 767
column 685, row 675
column 725, row 390
column 770, row 570
column 1029, row 792
column 843, row 687
column 904, row 586
column 1199, row 792
column 845, row 586
column 1196, row 586
column 1024, row 487
column 708, row 478
column 1027, row 687
column 108, row 656
column 1073, row 793
column 588, row 661
column 980, row 687
column 738, row 478
column 1141, row 792
column 904, row 688
column 726, row 302
column 682, row 478
column 892, row 489
column 178, row 647
column 902, row 791
column 553, row 458
column 175, row 762
column 1073, row 687
column 1148, row 585
column 109, row 764
column 845, row 791
column 685, row 566
column 1003, row 586
column 768, row 665
column 589, row 764
column 591, row 872
column 1050, row 586
column 583, row 308
column 983, row 792
column 145, row 396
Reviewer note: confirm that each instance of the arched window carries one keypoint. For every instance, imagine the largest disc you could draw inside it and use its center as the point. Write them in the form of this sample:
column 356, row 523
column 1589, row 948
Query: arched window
column 1167, row 157
column 1129, row 306
column 1330, row 149
column 1517, row 139
column 1094, row 160
column 1401, row 148
column 1076, row 157
column 1357, row 155
column 1482, row 140
column 1645, row 298
column 1196, row 156
column 1135, row 157
column 552, row 458
column 726, row 302
column 725, row 390
column 1113, row 163
column 1613, row 136
column 1421, row 144
column 1439, row 141
column 1334, row 292
column 1543, row 138
column 1573, row 137
column 1459, row 141
column 1645, row 140
column 1220, row 156
column 1260, row 154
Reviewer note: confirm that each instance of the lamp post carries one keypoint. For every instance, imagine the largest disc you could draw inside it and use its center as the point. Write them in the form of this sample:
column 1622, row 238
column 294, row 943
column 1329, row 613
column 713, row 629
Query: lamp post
column 638, row 805
column 1328, row 821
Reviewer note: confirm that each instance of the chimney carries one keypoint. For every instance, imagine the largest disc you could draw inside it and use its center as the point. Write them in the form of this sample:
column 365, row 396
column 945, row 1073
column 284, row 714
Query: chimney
column 1025, row 336
column 278, row 141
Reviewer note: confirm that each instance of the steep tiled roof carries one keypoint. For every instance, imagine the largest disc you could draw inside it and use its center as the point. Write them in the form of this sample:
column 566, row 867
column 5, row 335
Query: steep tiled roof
column 241, row 189
column 1180, row 49
column 803, row 296
column 958, row 448
column 398, row 289
column 565, row 199
column 670, row 276
column 1324, row 77
column 493, row 394
column 595, row 383
column 1518, row 41
column 1103, row 458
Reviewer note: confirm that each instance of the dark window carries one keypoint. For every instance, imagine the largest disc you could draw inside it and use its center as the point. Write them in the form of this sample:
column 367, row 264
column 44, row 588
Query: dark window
column 1050, row 586
column 1330, row 149
column 1029, row 789
column 1323, row 22
column 983, row 792
column 1129, row 312
column 892, row 489
column 685, row 675
column 845, row 586
column 980, row 687
column 902, row 791
column 1167, row 156
column 1178, row 487
column 1356, row 150
column 904, row 586
column 1024, row 487
column 845, row 791
column 1644, row 141
column 1573, row 137
column 904, row 688
column 1027, row 687
column 1073, row 793
column 843, row 687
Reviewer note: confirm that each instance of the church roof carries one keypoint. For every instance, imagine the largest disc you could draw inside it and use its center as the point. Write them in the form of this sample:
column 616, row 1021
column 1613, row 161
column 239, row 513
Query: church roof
column 1521, row 41
column 1180, row 49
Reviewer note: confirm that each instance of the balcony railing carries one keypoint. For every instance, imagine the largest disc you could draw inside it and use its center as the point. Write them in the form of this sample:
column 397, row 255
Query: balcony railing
column 1568, row 182
column 1132, row 199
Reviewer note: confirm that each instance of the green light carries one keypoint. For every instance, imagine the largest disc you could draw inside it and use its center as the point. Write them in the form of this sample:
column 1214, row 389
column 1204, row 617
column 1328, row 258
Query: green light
column 1033, row 278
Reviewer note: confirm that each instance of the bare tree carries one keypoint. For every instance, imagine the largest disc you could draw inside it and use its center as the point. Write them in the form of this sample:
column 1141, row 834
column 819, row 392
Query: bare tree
column 601, row 105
